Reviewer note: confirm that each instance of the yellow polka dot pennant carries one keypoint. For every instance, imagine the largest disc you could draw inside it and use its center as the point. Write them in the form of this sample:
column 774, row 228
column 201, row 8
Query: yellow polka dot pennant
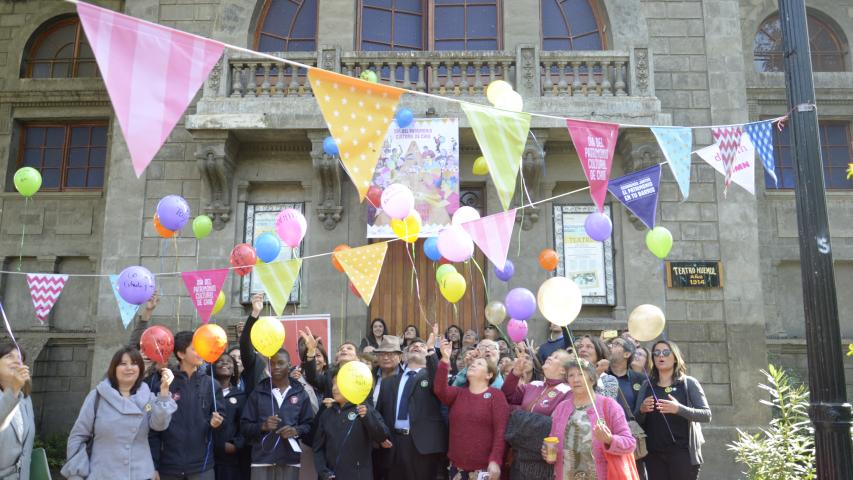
column 358, row 114
column 362, row 265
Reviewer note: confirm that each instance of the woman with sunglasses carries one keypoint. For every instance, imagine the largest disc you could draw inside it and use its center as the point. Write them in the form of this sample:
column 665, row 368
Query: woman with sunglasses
column 671, row 416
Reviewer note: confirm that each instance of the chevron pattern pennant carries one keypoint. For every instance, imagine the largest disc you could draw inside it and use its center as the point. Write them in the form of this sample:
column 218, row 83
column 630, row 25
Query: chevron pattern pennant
column 45, row 289
column 728, row 139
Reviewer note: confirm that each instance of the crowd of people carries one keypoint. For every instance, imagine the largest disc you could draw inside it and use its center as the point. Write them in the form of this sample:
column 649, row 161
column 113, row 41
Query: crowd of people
column 451, row 406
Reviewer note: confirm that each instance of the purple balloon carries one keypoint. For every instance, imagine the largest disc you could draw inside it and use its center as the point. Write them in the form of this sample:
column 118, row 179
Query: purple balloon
column 173, row 211
column 136, row 285
column 598, row 226
column 507, row 273
column 520, row 303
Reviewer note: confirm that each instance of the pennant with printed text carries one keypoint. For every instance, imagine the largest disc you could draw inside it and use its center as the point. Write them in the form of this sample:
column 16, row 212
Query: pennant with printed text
column 45, row 289
column 204, row 287
column 501, row 136
column 595, row 142
column 676, row 143
column 728, row 140
column 358, row 114
column 125, row 308
column 761, row 135
column 743, row 169
column 277, row 279
column 638, row 191
column 362, row 265
column 492, row 234
column 151, row 73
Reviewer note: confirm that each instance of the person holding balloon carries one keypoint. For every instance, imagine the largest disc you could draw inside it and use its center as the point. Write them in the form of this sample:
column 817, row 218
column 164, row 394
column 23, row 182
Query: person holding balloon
column 671, row 411
column 109, row 439
column 540, row 396
column 17, row 420
column 229, row 444
column 322, row 381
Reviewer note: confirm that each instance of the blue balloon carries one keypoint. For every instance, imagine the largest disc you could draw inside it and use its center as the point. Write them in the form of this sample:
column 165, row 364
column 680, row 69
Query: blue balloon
column 431, row 249
column 507, row 272
column 330, row 146
column 404, row 117
column 267, row 247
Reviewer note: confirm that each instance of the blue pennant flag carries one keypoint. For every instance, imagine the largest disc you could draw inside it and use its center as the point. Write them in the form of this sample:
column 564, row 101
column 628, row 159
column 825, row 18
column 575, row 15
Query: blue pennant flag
column 127, row 310
column 638, row 191
column 676, row 143
column 761, row 134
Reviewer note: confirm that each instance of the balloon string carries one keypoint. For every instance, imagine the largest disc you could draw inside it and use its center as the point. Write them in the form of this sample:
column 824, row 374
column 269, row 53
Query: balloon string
column 23, row 233
column 272, row 411
column 9, row 329
column 213, row 390
column 583, row 376
column 663, row 275
column 483, row 276
column 521, row 223
column 343, row 306
column 416, row 283
column 178, row 312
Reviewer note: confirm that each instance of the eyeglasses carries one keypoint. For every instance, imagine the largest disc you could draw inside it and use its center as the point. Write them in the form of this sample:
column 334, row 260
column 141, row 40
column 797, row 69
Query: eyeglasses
column 484, row 348
column 661, row 353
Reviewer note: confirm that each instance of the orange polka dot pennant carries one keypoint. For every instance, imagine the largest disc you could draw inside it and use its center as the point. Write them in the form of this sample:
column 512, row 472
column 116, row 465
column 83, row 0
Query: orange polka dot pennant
column 358, row 114
column 362, row 265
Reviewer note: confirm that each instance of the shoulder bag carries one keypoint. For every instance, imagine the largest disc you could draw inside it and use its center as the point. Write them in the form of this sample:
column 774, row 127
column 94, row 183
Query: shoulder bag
column 620, row 466
column 637, row 431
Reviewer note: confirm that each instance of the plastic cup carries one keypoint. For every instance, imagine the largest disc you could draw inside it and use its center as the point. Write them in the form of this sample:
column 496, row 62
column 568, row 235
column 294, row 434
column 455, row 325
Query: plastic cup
column 551, row 449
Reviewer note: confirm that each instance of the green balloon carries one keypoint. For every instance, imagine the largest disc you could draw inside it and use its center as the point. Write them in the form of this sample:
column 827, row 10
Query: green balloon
column 444, row 270
column 27, row 181
column 369, row 76
column 202, row 225
column 659, row 241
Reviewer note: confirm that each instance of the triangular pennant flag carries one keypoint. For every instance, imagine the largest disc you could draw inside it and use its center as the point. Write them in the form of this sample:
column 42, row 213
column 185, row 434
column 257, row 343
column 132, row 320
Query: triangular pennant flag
column 676, row 143
column 492, row 234
column 45, row 289
column 743, row 171
column 728, row 140
column 358, row 114
column 151, row 73
column 501, row 136
column 204, row 287
column 125, row 308
column 638, row 191
column 277, row 279
column 595, row 142
column 761, row 134
column 362, row 265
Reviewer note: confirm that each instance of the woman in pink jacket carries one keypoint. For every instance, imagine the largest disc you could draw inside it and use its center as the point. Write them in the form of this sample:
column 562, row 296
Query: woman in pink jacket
column 582, row 439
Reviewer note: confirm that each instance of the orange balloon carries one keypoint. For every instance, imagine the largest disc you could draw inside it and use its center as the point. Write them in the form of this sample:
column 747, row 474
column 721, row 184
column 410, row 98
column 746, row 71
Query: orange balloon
column 548, row 259
column 209, row 342
column 335, row 263
column 163, row 231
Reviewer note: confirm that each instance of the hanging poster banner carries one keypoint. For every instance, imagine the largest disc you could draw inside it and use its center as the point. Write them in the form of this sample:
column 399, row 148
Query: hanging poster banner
column 587, row 262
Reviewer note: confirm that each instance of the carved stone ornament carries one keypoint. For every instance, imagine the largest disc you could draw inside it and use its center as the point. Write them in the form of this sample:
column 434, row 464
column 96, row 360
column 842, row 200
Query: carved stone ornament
column 329, row 207
column 532, row 169
column 638, row 151
column 215, row 74
column 641, row 58
column 216, row 163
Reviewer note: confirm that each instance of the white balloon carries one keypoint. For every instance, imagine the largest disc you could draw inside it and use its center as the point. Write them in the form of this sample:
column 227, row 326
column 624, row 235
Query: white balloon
column 464, row 214
column 511, row 101
column 559, row 299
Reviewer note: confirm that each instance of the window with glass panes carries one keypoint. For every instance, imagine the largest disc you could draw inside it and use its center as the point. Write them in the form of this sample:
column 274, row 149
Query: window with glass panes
column 60, row 50
column 70, row 156
column 287, row 26
column 571, row 25
column 827, row 48
column 836, row 152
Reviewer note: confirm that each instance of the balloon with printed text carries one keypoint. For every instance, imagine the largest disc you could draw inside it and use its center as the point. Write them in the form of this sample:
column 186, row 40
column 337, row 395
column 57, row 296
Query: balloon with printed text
column 27, row 181
column 355, row 381
column 157, row 343
column 173, row 211
column 243, row 258
column 136, row 285
column 290, row 224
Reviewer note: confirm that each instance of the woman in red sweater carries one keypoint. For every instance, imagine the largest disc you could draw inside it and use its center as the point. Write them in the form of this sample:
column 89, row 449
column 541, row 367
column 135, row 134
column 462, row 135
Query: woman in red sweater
column 478, row 417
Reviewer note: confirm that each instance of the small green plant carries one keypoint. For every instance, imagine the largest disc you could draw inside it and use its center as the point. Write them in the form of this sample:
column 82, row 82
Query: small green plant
column 785, row 449
column 54, row 446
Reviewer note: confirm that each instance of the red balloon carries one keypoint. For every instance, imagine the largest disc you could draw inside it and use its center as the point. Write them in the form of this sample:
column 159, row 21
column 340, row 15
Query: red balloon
column 335, row 263
column 243, row 258
column 374, row 195
column 353, row 290
column 157, row 343
column 443, row 261
column 548, row 259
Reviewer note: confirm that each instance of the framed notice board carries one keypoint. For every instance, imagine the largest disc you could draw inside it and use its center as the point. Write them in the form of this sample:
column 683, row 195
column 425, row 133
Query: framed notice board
column 698, row 274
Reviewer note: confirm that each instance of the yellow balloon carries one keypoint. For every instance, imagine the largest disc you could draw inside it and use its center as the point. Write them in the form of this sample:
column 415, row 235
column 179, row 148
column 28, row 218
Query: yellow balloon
column 559, row 299
column 220, row 303
column 510, row 100
column 408, row 228
column 267, row 336
column 452, row 286
column 355, row 381
column 646, row 322
column 496, row 89
column 481, row 167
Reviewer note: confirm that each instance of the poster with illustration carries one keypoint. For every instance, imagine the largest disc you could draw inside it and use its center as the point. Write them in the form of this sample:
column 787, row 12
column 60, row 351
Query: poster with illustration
column 425, row 157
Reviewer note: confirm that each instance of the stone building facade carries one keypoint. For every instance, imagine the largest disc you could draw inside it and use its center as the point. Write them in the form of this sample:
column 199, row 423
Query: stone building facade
column 254, row 136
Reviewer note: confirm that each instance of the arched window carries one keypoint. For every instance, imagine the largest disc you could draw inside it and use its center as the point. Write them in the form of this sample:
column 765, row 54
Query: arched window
column 828, row 49
column 59, row 49
column 287, row 26
column 571, row 25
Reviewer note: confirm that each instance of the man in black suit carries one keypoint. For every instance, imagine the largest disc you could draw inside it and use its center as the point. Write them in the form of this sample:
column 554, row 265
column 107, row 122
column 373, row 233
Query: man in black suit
column 413, row 415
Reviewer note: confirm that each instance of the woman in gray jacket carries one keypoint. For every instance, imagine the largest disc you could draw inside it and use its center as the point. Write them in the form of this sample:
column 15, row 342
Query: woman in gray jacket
column 110, row 437
column 672, row 416
column 17, row 428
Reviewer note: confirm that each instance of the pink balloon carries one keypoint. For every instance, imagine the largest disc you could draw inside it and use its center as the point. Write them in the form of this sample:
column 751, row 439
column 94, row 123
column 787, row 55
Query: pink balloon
column 465, row 214
column 397, row 201
column 455, row 244
column 517, row 330
column 291, row 226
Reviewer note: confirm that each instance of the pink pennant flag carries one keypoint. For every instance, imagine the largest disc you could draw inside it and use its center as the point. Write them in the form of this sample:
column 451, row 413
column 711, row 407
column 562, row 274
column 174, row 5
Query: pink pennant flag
column 728, row 139
column 204, row 286
column 595, row 142
column 151, row 72
column 45, row 289
column 492, row 234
